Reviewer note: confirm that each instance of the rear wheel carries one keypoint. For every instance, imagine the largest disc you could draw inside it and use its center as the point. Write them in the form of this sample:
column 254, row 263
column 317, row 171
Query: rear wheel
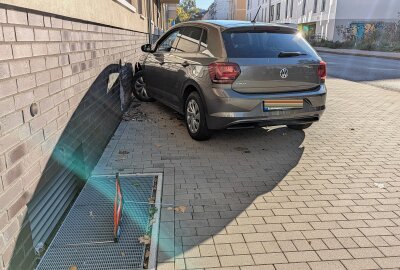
column 139, row 87
column 299, row 127
column 195, row 118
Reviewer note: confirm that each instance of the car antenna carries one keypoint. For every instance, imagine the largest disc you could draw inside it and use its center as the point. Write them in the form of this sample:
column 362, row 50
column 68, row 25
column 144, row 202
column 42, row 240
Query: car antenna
column 255, row 17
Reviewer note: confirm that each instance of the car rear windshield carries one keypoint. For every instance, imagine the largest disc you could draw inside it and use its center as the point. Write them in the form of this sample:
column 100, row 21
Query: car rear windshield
column 264, row 44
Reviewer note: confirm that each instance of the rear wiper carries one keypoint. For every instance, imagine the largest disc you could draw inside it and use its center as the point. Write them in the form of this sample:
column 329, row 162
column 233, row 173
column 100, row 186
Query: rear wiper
column 290, row 54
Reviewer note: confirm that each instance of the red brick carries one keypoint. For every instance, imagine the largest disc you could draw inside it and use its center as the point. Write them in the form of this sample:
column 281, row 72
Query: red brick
column 51, row 62
column 55, row 74
column 16, row 154
column 55, row 35
column 38, row 64
column 19, row 67
column 35, row 19
column 56, row 23
column 9, row 33
column 13, row 174
column 11, row 121
column 8, row 87
column 26, row 82
column 43, row 78
column 53, row 48
column 9, row 195
column 3, row 222
column 41, row 34
column 37, row 123
column 22, row 50
column 41, row 92
column 2, row 167
column 39, row 49
column 4, row 70
column 17, row 17
column 24, row 34
column 5, row 52
column 3, row 15
column 16, row 206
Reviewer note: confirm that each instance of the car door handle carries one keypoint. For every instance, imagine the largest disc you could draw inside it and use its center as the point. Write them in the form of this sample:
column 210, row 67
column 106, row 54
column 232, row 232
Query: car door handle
column 185, row 64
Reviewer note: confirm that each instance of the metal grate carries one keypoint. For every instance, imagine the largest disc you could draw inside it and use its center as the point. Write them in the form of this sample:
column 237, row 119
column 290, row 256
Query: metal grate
column 85, row 238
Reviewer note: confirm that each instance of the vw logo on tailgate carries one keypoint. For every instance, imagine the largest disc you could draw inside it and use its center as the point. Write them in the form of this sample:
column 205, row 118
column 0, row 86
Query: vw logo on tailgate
column 284, row 73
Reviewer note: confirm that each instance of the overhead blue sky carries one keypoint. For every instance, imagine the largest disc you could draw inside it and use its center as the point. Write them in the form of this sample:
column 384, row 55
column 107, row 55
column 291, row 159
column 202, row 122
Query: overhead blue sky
column 204, row 4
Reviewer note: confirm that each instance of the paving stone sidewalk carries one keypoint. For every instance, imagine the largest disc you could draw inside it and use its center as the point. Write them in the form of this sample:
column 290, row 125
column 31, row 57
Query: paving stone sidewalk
column 274, row 198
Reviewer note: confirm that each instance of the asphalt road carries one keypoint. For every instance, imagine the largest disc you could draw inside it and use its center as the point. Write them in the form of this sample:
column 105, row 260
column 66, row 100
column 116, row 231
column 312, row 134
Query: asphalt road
column 384, row 73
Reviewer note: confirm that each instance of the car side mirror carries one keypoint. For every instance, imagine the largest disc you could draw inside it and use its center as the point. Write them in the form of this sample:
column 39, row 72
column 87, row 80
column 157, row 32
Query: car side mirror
column 146, row 48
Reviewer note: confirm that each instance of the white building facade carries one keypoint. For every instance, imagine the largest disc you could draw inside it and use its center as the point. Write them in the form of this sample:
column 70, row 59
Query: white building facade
column 335, row 20
column 219, row 10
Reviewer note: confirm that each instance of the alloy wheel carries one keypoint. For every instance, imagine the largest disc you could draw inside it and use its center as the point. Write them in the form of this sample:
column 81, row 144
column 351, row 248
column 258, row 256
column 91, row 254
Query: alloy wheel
column 193, row 116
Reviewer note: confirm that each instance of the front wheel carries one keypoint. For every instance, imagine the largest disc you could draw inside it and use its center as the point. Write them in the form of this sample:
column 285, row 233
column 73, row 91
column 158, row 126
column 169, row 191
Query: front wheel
column 139, row 87
column 299, row 127
column 195, row 117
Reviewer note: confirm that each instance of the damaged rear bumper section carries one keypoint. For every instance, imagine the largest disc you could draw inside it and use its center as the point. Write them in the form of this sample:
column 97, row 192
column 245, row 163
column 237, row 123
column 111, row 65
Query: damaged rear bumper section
column 229, row 109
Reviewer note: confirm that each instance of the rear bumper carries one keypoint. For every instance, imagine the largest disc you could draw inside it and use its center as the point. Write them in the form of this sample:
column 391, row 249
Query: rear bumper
column 229, row 109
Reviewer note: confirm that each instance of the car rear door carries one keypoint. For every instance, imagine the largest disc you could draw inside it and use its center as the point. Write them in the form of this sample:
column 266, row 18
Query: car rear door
column 271, row 61
column 181, row 61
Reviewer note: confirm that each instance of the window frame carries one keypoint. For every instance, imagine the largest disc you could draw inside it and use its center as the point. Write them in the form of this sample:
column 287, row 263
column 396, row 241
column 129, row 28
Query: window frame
column 272, row 13
column 199, row 41
column 323, row 6
column 291, row 9
column 278, row 11
column 181, row 28
column 286, row 9
column 127, row 5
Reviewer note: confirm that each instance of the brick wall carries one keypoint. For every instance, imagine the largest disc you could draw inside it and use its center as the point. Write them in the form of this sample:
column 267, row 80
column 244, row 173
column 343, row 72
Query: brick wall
column 61, row 65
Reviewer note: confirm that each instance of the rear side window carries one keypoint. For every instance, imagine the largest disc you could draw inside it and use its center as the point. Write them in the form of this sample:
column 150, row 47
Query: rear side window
column 189, row 39
column 264, row 44
column 203, row 42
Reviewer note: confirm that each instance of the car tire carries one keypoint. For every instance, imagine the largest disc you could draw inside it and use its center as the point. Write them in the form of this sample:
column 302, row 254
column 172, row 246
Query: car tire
column 139, row 87
column 195, row 118
column 299, row 127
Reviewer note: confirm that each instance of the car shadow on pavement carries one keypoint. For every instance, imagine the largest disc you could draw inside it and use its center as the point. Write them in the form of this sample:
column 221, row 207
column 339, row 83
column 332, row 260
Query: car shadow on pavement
column 228, row 184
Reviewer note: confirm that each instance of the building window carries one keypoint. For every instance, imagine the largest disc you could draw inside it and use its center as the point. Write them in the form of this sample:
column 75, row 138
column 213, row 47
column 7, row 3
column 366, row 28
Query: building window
column 286, row 9
column 278, row 11
column 323, row 5
column 291, row 9
column 127, row 3
column 271, row 13
column 265, row 14
column 140, row 6
column 304, row 7
column 315, row 6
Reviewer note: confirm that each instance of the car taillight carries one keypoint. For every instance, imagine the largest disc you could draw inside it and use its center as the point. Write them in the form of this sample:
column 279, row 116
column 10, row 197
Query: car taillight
column 322, row 70
column 223, row 72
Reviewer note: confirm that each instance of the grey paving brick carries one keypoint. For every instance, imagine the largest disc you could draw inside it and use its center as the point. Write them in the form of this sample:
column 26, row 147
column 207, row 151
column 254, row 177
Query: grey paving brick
column 292, row 214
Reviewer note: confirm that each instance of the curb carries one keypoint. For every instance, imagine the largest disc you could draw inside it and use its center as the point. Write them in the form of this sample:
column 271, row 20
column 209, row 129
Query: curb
column 385, row 55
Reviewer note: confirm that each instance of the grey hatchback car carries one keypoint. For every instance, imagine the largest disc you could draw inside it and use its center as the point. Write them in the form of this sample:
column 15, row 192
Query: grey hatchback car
column 234, row 74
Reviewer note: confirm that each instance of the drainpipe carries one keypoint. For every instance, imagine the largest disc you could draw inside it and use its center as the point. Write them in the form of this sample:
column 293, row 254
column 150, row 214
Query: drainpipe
column 149, row 2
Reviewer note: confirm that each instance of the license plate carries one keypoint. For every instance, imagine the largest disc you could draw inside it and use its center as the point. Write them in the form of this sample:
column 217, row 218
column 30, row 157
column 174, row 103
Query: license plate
column 282, row 104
